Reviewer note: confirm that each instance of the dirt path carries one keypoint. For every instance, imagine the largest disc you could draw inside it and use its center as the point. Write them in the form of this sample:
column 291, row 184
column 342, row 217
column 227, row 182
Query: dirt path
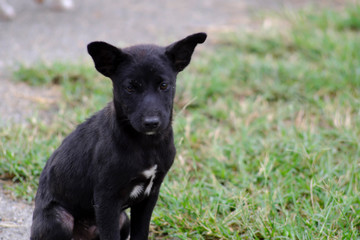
column 37, row 33
column 15, row 217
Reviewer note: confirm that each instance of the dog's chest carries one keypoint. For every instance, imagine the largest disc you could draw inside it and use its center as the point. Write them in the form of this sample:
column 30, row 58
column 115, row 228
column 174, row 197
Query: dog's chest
column 143, row 188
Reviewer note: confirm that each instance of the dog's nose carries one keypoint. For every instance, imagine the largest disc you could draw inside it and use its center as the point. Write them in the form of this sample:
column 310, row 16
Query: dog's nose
column 151, row 123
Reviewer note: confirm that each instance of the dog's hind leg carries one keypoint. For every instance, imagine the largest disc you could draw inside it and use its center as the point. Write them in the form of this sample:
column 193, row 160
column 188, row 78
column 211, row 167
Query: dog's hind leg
column 52, row 223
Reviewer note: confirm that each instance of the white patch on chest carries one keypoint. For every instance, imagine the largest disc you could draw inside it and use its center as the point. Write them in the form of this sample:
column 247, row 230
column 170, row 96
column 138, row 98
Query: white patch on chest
column 150, row 174
column 138, row 189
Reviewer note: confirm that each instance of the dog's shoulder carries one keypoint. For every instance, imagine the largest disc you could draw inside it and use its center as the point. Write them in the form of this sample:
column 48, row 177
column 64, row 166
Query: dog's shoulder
column 102, row 121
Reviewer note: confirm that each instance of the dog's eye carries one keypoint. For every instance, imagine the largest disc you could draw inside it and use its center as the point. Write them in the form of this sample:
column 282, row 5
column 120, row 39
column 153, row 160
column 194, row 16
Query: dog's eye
column 164, row 86
column 130, row 89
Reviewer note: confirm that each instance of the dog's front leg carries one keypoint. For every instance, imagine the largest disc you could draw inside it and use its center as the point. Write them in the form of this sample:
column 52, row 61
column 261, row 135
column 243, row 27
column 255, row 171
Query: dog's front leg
column 107, row 212
column 141, row 215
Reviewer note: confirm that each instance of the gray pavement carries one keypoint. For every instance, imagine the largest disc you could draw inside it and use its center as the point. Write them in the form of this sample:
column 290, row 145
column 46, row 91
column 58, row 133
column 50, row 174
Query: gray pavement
column 38, row 33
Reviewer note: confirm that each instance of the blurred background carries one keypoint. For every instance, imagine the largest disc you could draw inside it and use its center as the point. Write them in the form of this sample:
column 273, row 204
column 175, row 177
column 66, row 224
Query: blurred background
column 267, row 119
column 37, row 32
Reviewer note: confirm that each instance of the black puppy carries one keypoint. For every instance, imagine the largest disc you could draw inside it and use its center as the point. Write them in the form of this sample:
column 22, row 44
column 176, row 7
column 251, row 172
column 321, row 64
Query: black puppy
column 118, row 158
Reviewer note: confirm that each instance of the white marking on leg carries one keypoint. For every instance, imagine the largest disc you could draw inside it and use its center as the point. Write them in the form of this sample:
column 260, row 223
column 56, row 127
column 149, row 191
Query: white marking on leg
column 137, row 190
column 150, row 173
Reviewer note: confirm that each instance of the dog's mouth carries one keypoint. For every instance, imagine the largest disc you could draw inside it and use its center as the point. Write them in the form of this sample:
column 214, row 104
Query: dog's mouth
column 150, row 133
column 146, row 130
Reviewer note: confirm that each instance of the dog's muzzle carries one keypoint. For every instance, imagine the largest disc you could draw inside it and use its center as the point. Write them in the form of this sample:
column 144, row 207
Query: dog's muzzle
column 151, row 124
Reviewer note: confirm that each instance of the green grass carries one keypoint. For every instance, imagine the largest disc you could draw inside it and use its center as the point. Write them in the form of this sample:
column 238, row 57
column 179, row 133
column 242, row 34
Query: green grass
column 267, row 127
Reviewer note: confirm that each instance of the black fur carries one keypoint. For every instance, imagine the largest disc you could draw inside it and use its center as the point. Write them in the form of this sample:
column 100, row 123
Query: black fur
column 91, row 178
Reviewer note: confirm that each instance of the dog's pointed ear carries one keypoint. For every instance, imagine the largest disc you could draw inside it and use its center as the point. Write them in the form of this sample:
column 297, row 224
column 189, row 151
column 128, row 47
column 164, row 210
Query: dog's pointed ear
column 181, row 51
column 106, row 57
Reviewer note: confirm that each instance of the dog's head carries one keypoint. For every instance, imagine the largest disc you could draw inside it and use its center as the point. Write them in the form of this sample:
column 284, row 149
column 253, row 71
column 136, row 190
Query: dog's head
column 144, row 78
